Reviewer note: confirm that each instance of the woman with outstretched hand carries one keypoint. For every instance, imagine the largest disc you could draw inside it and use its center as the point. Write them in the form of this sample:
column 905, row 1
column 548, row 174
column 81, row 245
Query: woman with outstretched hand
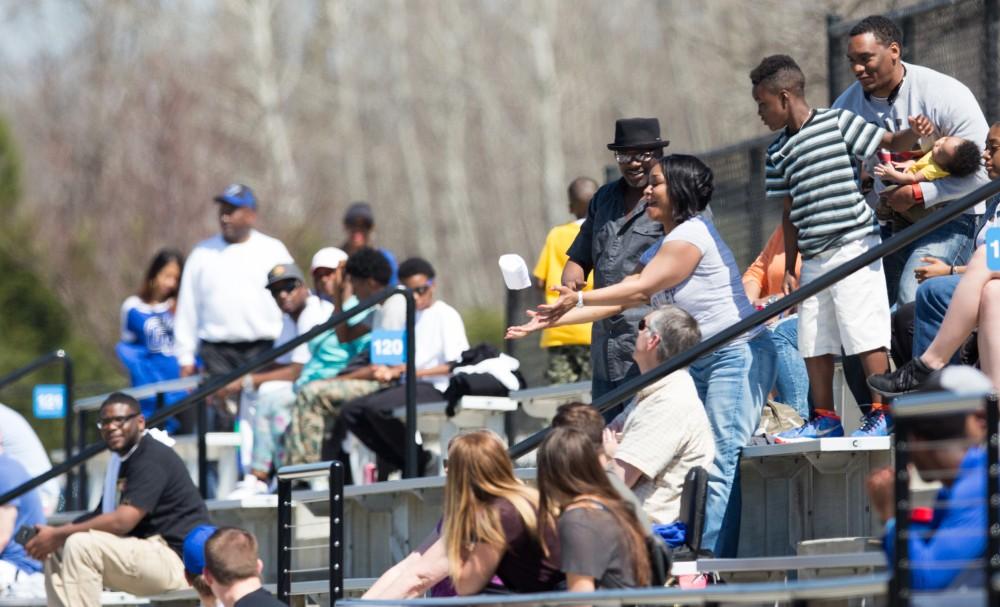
column 693, row 268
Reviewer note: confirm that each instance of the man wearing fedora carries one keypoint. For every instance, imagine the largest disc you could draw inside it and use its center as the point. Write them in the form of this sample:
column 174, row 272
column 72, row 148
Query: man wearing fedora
column 612, row 238
column 225, row 314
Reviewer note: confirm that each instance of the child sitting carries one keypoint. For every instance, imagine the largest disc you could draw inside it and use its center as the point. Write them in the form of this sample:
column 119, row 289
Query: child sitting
column 809, row 166
column 948, row 156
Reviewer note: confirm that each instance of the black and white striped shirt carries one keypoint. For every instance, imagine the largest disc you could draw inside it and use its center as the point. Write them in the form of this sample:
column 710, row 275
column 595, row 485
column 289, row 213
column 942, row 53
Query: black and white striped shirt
column 814, row 167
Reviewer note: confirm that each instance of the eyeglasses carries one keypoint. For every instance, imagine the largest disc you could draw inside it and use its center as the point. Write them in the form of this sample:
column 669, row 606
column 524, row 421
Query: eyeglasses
column 423, row 288
column 118, row 420
column 625, row 158
column 286, row 287
column 642, row 326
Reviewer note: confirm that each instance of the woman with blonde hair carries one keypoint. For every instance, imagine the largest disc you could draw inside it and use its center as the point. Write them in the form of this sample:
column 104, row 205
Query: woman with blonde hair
column 490, row 528
column 602, row 544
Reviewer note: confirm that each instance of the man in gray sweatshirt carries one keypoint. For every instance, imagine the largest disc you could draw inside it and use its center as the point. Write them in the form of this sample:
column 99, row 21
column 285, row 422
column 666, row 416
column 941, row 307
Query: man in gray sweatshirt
column 889, row 90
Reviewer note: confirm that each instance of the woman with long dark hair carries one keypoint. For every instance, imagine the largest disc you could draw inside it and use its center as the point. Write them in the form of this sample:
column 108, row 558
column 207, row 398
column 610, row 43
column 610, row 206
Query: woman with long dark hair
column 147, row 327
column 601, row 543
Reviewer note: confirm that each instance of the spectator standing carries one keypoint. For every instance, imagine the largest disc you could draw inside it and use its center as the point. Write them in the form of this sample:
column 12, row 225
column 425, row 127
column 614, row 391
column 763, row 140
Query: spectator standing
column 601, row 543
column 764, row 283
column 359, row 223
column 611, row 239
column 20, row 575
column 147, row 330
column 232, row 569
column 693, row 268
column 568, row 348
column 19, row 441
column 887, row 91
column 136, row 547
column 440, row 341
column 664, row 432
column 809, row 167
column 224, row 313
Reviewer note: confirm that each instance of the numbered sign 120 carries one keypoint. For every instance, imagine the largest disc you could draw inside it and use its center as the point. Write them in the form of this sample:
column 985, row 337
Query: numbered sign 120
column 993, row 249
column 50, row 401
column 388, row 347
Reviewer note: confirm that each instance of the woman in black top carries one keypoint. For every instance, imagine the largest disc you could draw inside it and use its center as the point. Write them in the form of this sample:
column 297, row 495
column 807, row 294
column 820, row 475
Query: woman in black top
column 601, row 542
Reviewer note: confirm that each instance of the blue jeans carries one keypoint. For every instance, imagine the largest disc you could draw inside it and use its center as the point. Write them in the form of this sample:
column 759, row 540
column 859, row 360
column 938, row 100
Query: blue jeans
column 733, row 382
column 951, row 243
column 933, row 298
column 791, row 385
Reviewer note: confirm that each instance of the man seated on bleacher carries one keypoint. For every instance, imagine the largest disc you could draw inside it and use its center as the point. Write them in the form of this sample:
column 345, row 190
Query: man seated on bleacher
column 326, row 382
column 440, row 340
column 136, row 547
column 947, row 551
column 268, row 392
column 20, row 575
column 665, row 432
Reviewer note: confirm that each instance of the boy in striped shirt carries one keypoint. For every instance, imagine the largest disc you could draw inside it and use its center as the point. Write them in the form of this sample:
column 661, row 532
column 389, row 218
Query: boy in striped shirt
column 826, row 219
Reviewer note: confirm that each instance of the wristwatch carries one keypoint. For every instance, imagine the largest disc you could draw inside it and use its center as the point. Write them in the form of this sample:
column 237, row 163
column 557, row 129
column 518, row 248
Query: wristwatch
column 579, row 299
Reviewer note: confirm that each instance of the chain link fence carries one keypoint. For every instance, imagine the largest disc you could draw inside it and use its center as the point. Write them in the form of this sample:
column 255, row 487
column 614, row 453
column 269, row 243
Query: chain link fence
column 960, row 38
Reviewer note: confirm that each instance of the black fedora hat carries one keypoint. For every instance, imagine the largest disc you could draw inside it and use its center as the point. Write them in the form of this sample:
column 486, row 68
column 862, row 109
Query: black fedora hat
column 637, row 134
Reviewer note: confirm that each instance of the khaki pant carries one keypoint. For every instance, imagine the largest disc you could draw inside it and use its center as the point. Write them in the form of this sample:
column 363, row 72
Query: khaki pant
column 92, row 560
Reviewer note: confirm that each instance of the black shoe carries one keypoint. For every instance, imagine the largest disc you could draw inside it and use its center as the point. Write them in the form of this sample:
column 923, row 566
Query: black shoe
column 905, row 379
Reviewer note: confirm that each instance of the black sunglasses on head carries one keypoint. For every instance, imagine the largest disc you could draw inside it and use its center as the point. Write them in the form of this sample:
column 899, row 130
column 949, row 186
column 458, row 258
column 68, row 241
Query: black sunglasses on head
column 642, row 324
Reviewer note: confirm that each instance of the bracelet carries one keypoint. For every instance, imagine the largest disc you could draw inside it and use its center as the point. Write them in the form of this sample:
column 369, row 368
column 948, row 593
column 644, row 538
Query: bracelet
column 951, row 269
column 247, row 383
column 579, row 299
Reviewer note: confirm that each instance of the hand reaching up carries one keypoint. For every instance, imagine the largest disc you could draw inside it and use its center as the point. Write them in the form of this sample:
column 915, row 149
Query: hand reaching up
column 534, row 324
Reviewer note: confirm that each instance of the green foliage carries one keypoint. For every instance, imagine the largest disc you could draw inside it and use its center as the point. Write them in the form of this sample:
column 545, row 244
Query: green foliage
column 32, row 320
column 484, row 325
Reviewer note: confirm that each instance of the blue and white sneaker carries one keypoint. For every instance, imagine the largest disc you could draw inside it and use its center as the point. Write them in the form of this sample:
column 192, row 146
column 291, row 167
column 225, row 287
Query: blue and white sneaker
column 820, row 426
column 876, row 423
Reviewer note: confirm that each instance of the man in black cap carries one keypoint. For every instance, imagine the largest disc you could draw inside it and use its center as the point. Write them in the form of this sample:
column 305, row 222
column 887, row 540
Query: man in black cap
column 615, row 234
column 359, row 222
column 225, row 314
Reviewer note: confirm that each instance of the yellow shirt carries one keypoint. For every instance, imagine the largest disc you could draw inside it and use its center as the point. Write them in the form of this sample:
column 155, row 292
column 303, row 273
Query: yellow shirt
column 928, row 168
column 548, row 270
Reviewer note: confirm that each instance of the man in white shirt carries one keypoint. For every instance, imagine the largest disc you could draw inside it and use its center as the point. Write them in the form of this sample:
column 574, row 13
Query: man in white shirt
column 224, row 312
column 665, row 432
column 440, row 340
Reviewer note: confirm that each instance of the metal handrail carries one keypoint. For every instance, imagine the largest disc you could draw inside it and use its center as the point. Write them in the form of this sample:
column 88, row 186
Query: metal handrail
column 92, row 403
column 212, row 385
column 335, row 546
column 75, row 486
column 933, row 221
column 749, row 593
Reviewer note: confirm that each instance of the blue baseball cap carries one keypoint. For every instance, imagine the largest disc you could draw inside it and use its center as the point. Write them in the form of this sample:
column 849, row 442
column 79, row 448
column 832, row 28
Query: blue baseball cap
column 238, row 195
column 194, row 548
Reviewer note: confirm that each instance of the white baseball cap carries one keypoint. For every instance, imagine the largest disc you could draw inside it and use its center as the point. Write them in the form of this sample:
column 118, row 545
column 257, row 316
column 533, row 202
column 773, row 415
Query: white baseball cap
column 328, row 257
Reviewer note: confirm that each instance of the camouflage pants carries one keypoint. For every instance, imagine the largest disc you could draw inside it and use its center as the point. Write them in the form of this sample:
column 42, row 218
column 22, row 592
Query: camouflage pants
column 568, row 364
column 314, row 403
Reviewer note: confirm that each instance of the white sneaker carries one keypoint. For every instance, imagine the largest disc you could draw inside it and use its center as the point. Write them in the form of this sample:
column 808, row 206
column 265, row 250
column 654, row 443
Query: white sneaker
column 250, row 485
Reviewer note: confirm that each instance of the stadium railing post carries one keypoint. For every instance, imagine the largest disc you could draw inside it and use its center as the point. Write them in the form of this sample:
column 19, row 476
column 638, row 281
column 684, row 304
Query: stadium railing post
column 284, row 581
column 992, row 564
column 410, row 460
column 336, row 544
column 899, row 590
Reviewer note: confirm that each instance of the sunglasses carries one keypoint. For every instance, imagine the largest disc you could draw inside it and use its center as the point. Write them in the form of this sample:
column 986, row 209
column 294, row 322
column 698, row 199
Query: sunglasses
column 625, row 158
column 286, row 287
column 119, row 420
column 423, row 288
